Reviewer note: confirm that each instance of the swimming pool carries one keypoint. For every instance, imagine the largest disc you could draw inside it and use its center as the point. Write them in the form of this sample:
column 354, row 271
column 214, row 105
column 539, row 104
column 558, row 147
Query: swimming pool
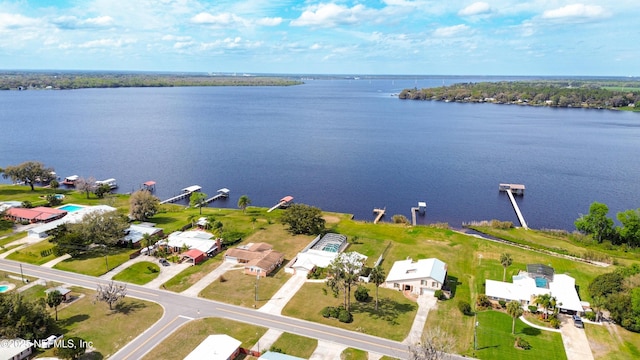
column 331, row 247
column 4, row 288
column 541, row 282
column 71, row 208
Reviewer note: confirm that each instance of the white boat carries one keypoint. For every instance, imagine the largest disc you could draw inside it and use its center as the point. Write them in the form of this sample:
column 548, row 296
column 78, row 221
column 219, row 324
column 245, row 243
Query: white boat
column 111, row 182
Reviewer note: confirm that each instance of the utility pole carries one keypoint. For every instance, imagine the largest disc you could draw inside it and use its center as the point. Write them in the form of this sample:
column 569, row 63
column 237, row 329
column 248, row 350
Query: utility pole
column 21, row 274
column 475, row 334
column 257, row 278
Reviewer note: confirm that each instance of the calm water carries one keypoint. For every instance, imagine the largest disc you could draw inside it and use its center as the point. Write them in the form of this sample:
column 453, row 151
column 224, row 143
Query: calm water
column 341, row 145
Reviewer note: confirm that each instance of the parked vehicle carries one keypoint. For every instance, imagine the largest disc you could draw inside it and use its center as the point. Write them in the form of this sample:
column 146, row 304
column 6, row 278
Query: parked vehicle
column 577, row 322
column 164, row 262
column 50, row 341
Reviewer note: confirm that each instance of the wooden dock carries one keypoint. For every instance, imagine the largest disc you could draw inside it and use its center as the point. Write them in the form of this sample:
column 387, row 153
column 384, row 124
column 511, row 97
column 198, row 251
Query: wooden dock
column 519, row 190
column 222, row 193
column 380, row 213
column 186, row 192
column 421, row 208
column 283, row 202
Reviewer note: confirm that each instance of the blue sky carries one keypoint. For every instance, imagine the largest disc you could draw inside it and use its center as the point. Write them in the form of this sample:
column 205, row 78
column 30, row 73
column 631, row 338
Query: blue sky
column 443, row 37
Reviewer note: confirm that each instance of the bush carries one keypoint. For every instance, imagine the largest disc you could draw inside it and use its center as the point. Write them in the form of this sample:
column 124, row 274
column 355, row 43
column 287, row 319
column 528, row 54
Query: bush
column 361, row 294
column 439, row 294
column 345, row 316
column 590, row 315
column 502, row 303
column 554, row 322
column 522, row 343
column 464, row 308
column 482, row 301
column 326, row 311
column 533, row 309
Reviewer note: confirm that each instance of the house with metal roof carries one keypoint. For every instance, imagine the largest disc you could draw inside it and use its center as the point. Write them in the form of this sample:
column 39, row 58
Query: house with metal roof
column 418, row 277
column 216, row 347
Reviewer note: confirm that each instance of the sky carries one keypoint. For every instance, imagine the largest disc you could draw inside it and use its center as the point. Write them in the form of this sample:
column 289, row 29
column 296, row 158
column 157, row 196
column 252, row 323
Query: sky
column 395, row 37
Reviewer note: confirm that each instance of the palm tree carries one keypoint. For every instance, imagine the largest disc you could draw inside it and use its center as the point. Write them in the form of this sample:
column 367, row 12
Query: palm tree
column 506, row 261
column 198, row 199
column 377, row 276
column 243, row 202
column 547, row 302
column 515, row 310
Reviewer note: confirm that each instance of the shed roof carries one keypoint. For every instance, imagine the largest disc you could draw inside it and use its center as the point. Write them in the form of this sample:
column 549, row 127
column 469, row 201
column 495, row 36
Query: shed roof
column 215, row 347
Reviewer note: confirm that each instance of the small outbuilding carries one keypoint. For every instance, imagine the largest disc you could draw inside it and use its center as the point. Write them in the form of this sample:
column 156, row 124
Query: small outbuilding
column 216, row 347
column 66, row 293
column 194, row 255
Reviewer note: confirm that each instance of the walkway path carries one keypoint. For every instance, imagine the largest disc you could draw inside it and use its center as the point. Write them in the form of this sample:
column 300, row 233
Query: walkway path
column 109, row 275
column 327, row 351
column 53, row 262
column 286, row 292
column 426, row 302
column 196, row 288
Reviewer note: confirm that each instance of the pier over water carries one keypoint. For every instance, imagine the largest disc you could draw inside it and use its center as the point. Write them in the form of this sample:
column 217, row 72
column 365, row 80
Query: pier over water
column 517, row 189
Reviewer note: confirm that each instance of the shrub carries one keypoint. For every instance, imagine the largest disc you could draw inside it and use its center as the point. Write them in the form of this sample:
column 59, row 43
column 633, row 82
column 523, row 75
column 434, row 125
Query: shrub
column 326, row 311
column 502, row 303
column 522, row 343
column 464, row 307
column 590, row 315
column 361, row 294
column 345, row 316
column 439, row 294
column 333, row 311
column 483, row 301
column 554, row 322
column 276, row 349
column 533, row 309
column 400, row 219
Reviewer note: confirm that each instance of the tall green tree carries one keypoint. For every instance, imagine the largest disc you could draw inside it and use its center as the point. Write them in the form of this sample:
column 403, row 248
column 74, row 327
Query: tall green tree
column 630, row 230
column 344, row 272
column 596, row 222
column 303, row 219
column 515, row 310
column 101, row 227
column 54, row 298
column 198, row 199
column 243, row 202
column 28, row 172
column 143, row 205
column 377, row 277
column 22, row 318
column 506, row 261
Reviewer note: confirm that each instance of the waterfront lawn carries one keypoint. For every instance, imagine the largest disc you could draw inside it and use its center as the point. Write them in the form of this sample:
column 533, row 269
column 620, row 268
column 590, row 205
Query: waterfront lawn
column 496, row 342
column 295, row 345
column 108, row 330
column 612, row 342
column 11, row 238
column 192, row 274
column 139, row 273
column 94, row 263
column 354, row 354
column 237, row 288
column 182, row 341
column 32, row 254
column 393, row 319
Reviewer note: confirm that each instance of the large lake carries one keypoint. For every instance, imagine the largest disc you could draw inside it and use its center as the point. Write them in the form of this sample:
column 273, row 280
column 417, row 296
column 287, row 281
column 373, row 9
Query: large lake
column 341, row 145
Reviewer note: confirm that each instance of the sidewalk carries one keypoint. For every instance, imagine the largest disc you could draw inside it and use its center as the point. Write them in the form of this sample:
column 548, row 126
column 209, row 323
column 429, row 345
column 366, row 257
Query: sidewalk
column 286, row 292
column 53, row 262
column 426, row 302
column 196, row 288
column 128, row 263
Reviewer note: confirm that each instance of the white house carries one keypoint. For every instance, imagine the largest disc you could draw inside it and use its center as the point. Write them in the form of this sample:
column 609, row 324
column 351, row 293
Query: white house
column 16, row 349
column 320, row 252
column 71, row 218
column 136, row 232
column 200, row 240
column 424, row 275
column 216, row 347
column 527, row 286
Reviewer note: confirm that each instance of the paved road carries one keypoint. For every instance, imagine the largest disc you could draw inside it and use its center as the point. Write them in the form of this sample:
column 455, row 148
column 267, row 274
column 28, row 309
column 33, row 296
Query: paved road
column 180, row 309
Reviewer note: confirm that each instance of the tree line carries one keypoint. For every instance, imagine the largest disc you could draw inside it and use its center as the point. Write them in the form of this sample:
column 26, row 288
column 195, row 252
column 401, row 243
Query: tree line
column 71, row 80
column 619, row 293
column 578, row 94
column 597, row 224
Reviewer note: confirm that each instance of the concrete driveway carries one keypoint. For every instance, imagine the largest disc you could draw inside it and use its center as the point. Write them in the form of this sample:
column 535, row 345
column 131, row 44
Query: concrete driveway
column 575, row 341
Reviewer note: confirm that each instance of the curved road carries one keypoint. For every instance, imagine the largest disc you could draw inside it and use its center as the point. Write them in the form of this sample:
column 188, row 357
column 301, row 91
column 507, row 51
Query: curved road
column 180, row 309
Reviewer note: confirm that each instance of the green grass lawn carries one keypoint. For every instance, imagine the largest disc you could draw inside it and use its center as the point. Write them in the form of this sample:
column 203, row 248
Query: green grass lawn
column 295, row 345
column 612, row 342
column 393, row 319
column 94, row 264
column 181, row 342
column 32, row 254
column 139, row 273
column 108, row 330
column 11, row 237
column 495, row 340
column 354, row 354
column 192, row 274
column 240, row 289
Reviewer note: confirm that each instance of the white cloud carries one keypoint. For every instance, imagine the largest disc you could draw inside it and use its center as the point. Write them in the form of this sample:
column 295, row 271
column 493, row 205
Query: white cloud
column 106, row 43
column 315, row 46
column 451, row 31
column 329, row 15
column 219, row 19
column 15, row 21
column 269, row 21
column 576, row 11
column 176, row 38
column 477, row 8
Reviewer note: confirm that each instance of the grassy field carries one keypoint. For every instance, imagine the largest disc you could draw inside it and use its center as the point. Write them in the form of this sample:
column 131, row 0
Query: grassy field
column 612, row 342
column 139, row 273
column 392, row 320
column 93, row 264
column 192, row 274
column 190, row 335
column 32, row 254
column 11, row 237
column 295, row 345
column 495, row 340
column 235, row 287
column 354, row 354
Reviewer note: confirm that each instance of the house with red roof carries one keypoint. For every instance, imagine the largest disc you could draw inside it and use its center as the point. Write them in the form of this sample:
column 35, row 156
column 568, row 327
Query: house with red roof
column 34, row 215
